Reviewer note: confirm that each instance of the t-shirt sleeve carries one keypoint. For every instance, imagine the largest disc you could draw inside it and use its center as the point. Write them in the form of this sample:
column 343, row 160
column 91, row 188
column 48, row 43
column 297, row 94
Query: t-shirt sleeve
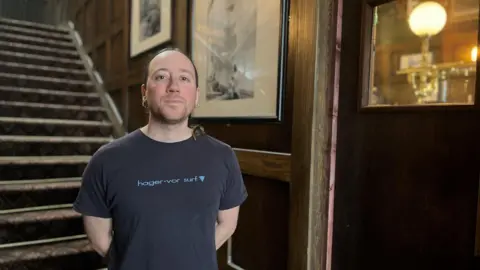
column 91, row 199
column 235, row 192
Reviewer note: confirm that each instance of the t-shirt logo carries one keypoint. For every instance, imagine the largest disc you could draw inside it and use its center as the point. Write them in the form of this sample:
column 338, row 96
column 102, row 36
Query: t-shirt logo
column 151, row 183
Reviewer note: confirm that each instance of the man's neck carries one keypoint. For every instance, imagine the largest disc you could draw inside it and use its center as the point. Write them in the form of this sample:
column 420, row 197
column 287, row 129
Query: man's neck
column 167, row 132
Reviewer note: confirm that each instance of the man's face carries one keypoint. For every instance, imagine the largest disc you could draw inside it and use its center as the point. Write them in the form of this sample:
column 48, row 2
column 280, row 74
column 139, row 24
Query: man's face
column 171, row 88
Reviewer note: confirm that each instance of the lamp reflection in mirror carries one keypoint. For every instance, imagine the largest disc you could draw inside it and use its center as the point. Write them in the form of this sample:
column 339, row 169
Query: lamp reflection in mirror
column 426, row 20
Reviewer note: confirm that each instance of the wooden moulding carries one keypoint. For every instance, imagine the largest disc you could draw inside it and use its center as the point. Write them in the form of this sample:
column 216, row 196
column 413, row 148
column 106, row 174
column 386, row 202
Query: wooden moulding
column 477, row 235
column 314, row 36
column 264, row 164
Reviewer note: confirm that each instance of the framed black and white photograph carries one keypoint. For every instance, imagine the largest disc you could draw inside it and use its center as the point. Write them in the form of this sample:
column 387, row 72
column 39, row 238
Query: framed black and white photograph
column 150, row 24
column 239, row 48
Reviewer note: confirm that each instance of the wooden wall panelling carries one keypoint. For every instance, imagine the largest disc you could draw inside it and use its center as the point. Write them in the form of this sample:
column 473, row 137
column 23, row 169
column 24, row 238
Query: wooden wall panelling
column 264, row 164
column 89, row 39
column 396, row 203
column 261, row 239
column 137, row 116
column 477, row 229
column 182, row 21
column 117, row 9
column 124, row 20
column 314, row 24
column 101, row 17
column 101, row 59
column 117, row 50
column 117, row 97
column 80, row 22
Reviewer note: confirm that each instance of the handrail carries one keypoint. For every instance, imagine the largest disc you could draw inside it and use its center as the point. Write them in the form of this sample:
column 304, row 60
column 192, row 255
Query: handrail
column 230, row 256
column 95, row 77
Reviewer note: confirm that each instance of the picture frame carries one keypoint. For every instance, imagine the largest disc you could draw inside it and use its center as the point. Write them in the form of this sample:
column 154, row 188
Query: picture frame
column 150, row 25
column 240, row 54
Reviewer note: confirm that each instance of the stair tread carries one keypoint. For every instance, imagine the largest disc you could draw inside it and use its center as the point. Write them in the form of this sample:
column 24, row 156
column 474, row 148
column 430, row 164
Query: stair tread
column 48, row 91
column 37, row 39
column 37, row 48
column 44, row 78
column 49, row 121
column 42, row 251
column 39, row 25
column 50, row 106
column 42, row 160
column 43, row 67
column 53, row 139
column 38, row 216
column 42, row 57
column 28, row 31
column 39, row 184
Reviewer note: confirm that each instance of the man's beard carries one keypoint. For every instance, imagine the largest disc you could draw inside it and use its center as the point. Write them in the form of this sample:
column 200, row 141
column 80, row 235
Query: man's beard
column 158, row 116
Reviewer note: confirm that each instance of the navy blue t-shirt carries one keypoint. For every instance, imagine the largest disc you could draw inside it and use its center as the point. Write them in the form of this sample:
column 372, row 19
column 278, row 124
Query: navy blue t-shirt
column 163, row 199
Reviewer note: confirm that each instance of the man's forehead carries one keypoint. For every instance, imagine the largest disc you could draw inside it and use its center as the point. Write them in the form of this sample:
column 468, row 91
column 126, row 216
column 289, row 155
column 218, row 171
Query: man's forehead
column 169, row 58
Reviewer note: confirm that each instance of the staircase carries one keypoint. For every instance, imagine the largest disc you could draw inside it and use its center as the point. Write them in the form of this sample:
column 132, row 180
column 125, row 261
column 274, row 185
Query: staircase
column 53, row 117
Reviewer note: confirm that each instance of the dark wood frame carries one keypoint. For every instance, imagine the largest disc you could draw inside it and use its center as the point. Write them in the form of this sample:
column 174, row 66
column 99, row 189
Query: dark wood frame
column 281, row 76
column 317, row 43
column 367, row 22
column 158, row 45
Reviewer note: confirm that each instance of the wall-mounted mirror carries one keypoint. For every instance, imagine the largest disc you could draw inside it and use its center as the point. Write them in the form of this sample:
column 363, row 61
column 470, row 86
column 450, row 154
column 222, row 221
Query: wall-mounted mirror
column 420, row 53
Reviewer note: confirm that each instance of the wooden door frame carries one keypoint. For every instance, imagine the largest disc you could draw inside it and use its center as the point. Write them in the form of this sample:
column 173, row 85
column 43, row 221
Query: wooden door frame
column 314, row 43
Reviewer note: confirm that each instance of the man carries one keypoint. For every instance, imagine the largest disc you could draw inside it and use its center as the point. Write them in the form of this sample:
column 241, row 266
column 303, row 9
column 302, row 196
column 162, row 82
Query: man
column 162, row 197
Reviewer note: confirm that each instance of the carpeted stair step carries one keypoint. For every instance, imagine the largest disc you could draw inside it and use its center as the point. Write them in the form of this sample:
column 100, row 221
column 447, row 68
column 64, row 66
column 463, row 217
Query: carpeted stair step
column 39, row 223
column 44, row 110
column 79, row 261
column 58, row 194
column 29, row 81
column 9, row 93
column 33, row 25
column 37, row 41
column 15, row 194
column 52, row 254
column 40, row 184
column 40, row 167
column 51, row 122
column 43, row 71
column 50, row 145
column 54, row 127
column 42, row 60
column 20, row 47
column 21, row 30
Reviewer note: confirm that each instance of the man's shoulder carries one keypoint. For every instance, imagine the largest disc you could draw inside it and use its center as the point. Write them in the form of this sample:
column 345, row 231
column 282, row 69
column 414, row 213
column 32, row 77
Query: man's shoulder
column 115, row 147
column 216, row 145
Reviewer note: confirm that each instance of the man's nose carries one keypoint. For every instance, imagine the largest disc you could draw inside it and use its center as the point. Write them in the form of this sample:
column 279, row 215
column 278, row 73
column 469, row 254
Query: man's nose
column 173, row 86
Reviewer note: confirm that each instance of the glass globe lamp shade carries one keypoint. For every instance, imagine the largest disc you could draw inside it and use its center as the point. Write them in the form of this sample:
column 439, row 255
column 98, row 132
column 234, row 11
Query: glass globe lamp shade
column 427, row 19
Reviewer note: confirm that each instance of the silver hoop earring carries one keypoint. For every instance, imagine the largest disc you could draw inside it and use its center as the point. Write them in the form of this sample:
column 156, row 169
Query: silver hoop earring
column 144, row 102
